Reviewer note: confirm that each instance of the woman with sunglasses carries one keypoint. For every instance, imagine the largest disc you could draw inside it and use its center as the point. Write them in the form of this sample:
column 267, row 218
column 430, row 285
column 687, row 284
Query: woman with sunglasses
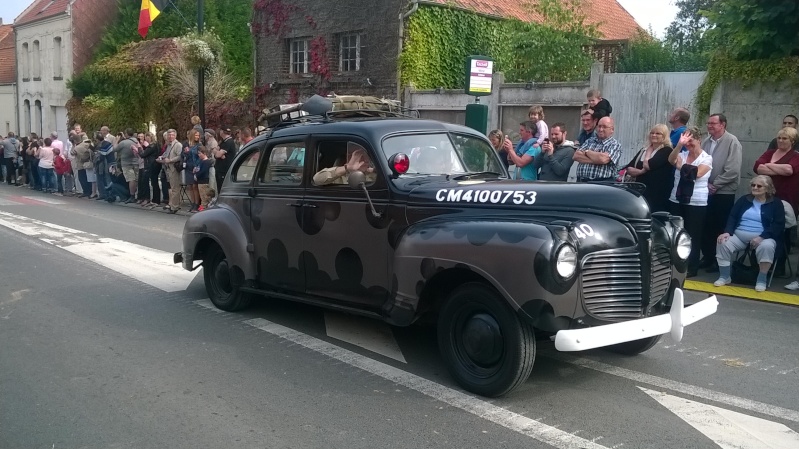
column 757, row 221
column 690, row 192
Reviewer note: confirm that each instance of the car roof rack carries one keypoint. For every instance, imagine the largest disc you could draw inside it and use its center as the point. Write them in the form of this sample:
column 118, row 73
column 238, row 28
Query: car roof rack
column 332, row 107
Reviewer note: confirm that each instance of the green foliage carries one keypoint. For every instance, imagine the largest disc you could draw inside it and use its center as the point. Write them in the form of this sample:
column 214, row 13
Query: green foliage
column 723, row 68
column 438, row 40
column 645, row 54
column 756, row 29
column 227, row 18
column 687, row 35
column 553, row 50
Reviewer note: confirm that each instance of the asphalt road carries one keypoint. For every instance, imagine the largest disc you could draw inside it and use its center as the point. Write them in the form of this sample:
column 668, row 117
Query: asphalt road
column 92, row 356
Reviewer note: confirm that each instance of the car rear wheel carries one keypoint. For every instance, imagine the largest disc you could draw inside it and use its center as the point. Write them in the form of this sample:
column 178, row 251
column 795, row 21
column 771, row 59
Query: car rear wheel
column 488, row 349
column 218, row 283
column 635, row 347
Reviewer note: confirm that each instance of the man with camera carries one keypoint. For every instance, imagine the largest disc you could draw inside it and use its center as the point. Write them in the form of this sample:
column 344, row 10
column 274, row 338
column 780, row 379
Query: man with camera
column 555, row 160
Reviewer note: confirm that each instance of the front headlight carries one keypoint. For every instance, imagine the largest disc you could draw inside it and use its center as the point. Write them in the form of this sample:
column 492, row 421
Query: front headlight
column 683, row 245
column 566, row 261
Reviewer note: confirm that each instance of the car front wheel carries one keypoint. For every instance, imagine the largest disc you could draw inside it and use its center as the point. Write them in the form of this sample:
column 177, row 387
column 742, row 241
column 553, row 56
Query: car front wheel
column 488, row 349
column 221, row 290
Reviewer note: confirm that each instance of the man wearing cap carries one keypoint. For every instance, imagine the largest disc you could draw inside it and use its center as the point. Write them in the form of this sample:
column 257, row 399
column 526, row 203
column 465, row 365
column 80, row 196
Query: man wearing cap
column 224, row 156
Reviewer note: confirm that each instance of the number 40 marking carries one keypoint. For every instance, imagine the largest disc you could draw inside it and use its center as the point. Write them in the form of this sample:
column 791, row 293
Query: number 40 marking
column 583, row 231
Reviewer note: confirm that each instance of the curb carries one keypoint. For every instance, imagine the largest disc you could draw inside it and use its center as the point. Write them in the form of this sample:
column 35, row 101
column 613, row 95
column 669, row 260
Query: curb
column 743, row 292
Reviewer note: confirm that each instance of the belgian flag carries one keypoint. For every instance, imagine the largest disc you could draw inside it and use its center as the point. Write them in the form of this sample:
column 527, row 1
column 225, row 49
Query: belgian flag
column 150, row 9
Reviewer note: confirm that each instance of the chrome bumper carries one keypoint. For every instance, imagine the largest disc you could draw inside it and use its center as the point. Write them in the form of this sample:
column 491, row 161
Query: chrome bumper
column 611, row 334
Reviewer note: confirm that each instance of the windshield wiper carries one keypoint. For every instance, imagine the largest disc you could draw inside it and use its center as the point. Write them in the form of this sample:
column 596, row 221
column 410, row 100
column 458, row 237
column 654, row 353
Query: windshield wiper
column 472, row 175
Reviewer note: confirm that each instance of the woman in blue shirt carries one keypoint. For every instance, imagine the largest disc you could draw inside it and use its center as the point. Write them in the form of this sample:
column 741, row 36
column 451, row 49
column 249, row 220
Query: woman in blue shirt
column 757, row 221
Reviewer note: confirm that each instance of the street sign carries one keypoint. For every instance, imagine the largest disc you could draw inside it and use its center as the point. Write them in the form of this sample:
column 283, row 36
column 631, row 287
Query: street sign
column 479, row 71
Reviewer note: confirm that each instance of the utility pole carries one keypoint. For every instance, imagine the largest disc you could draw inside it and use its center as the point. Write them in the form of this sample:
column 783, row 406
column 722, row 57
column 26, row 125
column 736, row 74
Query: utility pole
column 201, row 73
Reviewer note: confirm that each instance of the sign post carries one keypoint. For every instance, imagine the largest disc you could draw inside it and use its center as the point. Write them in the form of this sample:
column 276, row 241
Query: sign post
column 479, row 72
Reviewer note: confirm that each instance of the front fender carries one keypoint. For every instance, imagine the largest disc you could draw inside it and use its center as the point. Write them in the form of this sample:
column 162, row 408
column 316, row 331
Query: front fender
column 512, row 256
column 223, row 227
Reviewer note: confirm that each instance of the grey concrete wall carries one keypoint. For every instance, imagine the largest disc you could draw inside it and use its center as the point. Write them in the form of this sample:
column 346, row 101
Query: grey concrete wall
column 754, row 115
column 642, row 100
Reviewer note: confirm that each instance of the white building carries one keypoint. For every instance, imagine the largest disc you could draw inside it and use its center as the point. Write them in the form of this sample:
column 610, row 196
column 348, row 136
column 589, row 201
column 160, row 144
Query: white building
column 54, row 39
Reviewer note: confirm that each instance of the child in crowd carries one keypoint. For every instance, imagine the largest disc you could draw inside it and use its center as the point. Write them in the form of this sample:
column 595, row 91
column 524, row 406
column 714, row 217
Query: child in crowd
column 536, row 115
column 202, row 176
column 63, row 173
column 598, row 106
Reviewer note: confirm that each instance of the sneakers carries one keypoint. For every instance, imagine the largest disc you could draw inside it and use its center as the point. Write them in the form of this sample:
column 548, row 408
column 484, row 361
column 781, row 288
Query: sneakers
column 760, row 287
column 722, row 281
column 792, row 286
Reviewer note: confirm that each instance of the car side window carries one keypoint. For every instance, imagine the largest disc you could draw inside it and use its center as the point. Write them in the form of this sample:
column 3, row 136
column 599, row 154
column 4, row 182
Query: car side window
column 285, row 164
column 333, row 156
column 245, row 172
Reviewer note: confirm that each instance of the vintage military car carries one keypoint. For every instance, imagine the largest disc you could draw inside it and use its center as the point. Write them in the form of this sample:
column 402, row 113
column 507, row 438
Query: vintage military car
column 398, row 218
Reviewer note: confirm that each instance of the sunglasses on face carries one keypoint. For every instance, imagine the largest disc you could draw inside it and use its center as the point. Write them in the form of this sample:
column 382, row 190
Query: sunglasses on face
column 759, row 186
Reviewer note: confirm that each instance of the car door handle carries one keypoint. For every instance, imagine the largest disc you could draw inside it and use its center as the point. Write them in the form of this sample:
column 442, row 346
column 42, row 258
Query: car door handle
column 311, row 206
column 298, row 204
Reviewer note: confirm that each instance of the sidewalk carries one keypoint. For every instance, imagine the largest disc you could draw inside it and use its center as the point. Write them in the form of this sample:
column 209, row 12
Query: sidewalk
column 775, row 292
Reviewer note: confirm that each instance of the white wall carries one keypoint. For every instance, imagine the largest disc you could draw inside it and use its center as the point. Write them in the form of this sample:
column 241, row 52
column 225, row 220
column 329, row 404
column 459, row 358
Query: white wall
column 52, row 93
column 8, row 117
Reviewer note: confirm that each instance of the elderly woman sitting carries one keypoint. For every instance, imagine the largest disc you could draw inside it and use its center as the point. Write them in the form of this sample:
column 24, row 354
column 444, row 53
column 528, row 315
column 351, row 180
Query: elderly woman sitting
column 757, row 221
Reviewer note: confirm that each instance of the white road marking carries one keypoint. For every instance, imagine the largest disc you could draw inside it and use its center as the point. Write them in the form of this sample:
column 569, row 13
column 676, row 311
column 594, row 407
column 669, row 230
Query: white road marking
column 44, row 200
column 510, row 420
column 5, row 202
column 148, row 265
column 691, row 390
column 208, row 305
column 367, row 333
column 728, row 429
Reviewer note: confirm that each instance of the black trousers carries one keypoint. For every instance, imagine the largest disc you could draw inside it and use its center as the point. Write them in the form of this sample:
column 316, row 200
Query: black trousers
column 11, row 169
column 694, row 217
column 154, row 173
column 84, row 183
column 718, row 210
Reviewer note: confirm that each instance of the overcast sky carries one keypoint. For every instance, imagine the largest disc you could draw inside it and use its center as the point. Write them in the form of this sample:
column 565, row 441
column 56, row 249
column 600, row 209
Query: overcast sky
column 658, row 13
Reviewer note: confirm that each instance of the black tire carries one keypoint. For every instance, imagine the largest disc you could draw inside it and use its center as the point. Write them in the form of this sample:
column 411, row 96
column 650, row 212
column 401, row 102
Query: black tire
column 635, row 347
column 500, row 353
column 218, row 285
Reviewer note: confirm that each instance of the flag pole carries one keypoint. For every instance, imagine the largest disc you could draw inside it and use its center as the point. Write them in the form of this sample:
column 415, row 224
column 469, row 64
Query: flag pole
column 201, row 73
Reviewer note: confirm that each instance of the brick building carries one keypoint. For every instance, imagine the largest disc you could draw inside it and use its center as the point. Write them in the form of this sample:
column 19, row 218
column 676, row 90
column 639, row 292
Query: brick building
column 8, row 84
column 54, row 39
column 363, row 40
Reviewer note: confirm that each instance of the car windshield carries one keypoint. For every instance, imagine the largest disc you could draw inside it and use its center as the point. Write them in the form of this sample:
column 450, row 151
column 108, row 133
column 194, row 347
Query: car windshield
column 443, row 154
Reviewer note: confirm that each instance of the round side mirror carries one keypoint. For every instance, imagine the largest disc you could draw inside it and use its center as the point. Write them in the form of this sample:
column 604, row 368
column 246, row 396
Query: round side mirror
column 356, row 179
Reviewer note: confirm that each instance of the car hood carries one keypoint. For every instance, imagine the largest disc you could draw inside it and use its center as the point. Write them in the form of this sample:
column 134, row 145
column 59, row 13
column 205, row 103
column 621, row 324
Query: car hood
column 606, row 199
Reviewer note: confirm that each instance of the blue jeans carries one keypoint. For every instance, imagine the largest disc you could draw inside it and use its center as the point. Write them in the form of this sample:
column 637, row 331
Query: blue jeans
column 48, row 179
column 103, row 180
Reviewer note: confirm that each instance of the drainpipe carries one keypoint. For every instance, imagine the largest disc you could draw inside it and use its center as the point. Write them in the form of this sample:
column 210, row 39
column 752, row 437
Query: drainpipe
column 16, row 85
column 402, row 17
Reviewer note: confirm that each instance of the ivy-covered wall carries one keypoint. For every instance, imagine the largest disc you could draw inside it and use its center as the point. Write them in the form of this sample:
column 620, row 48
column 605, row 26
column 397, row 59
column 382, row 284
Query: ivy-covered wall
column 438, row 40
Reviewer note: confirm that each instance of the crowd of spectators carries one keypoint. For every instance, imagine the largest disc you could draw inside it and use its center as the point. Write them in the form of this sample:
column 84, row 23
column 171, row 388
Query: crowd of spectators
column 129, row 167
column 685, row 171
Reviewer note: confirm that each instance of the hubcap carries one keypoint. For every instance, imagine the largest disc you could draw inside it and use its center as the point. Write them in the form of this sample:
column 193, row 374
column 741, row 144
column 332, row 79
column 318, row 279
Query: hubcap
column 482, row 339
column 222, row 276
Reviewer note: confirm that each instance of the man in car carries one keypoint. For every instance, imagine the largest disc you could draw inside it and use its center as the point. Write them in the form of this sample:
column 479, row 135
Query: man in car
column 358, row 161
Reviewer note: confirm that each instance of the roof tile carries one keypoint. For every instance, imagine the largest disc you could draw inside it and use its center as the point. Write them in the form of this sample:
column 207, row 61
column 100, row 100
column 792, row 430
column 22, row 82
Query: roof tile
column 622, row 26
column 7, row 55
column 41, row 9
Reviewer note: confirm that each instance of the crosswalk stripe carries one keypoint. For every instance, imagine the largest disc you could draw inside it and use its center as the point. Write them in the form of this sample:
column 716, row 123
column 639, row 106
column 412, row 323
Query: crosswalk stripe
column 728, row 429
column 151, row 266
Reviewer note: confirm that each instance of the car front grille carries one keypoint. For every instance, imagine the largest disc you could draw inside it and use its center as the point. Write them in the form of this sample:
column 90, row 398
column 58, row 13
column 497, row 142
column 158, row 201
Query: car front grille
column 661, row 273
column 611, row 284
column 642, row 226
